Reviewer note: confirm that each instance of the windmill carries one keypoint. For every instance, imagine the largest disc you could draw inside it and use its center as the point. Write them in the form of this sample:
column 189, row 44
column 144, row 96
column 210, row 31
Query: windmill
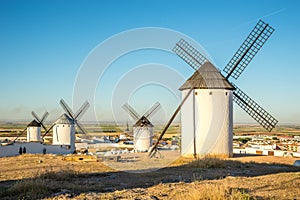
column 34, row 128
column 64, row 126
column 77, row 115
column 207, row 114
column 143, row 128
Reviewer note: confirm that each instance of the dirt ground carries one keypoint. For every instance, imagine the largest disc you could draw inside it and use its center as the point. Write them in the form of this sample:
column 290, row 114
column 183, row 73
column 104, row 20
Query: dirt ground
column 136, row 177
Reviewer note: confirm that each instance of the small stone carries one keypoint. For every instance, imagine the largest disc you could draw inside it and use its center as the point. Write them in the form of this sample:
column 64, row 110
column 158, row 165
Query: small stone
column 154, row 197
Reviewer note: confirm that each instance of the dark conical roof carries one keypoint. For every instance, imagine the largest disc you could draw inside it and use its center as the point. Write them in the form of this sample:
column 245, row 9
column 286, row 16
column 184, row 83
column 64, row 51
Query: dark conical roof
column 143, row 122
column 207, row 77
column 34, row 123
column 64, row 119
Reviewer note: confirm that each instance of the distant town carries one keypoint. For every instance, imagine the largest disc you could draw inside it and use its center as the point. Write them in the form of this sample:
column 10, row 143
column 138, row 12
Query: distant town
column 270, row 145
column 111, row 139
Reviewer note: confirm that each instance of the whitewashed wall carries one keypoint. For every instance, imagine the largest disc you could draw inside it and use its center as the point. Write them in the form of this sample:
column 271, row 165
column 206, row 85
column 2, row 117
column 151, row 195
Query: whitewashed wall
column 33, row 134
column 213, row 122
column 64, row 134
column 142, row 138
column 33, row 148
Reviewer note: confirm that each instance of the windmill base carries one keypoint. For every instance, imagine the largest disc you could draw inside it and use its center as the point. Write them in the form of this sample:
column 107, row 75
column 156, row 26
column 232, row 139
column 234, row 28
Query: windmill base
column 199, row 156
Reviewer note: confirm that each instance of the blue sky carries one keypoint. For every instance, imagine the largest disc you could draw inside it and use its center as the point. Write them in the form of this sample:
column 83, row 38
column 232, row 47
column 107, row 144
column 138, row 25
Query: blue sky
column 44, row 44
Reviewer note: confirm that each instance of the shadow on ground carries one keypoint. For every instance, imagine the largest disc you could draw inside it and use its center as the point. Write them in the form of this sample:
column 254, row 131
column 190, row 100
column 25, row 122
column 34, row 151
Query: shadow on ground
column 51, row 184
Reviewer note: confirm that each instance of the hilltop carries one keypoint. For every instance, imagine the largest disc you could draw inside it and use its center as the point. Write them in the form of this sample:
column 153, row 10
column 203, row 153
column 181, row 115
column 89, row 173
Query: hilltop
column 53, row 177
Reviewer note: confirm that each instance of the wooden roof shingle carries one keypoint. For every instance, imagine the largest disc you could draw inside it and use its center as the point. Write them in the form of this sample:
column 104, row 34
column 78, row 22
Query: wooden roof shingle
column 207, row 77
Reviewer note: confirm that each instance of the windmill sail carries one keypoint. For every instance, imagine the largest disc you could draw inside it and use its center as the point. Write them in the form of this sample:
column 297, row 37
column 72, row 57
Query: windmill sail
column 66, row 108
column 131, row 111
column 80, row 127
column 48, row 131
column 41, row 120
column 152, row 110
column 189, row 54
column 254, row 110
column 82, row 110
column 77, row 115
column 255, row 40
column 35, row 116
column 44, row 116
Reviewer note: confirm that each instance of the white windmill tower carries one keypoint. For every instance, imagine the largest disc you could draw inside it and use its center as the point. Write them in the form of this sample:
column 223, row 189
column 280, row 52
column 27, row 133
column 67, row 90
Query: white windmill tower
column 34, row 127
column 206, row 108
column 64, row 131
column 207, row 113
column 64, row 126
column 143, row 128
column 34, row 131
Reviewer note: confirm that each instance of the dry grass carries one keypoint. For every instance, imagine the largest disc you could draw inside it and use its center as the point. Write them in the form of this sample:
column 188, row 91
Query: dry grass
column 215, row 191
column 29, row 166
column 277, row 186
column 207, row 162
column 270, row 187
column 28, row 189
column 57, row 181
column 206, row 178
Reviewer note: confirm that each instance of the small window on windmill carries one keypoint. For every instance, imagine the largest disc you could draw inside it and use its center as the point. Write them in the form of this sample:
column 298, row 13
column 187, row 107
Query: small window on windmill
column 210, row 93
column 196, row 93
column 63, row 125
column 226, row 93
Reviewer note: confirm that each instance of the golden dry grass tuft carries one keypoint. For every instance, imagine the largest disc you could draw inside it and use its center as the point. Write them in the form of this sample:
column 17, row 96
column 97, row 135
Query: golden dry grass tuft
column 28, row 189
column 214, row 191
column 208, row 162
column 46, row 184
column 41, row 185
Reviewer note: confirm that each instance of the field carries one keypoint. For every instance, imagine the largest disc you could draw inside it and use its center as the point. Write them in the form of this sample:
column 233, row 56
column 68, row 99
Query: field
column 14, row 129
column 288, row 130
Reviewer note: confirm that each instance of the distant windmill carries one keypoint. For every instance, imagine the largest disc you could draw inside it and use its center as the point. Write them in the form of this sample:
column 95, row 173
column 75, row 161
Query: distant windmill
column 143, row 128
column 64, row 126
column 207, row 115
column 34, row 128
column 77, row 115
